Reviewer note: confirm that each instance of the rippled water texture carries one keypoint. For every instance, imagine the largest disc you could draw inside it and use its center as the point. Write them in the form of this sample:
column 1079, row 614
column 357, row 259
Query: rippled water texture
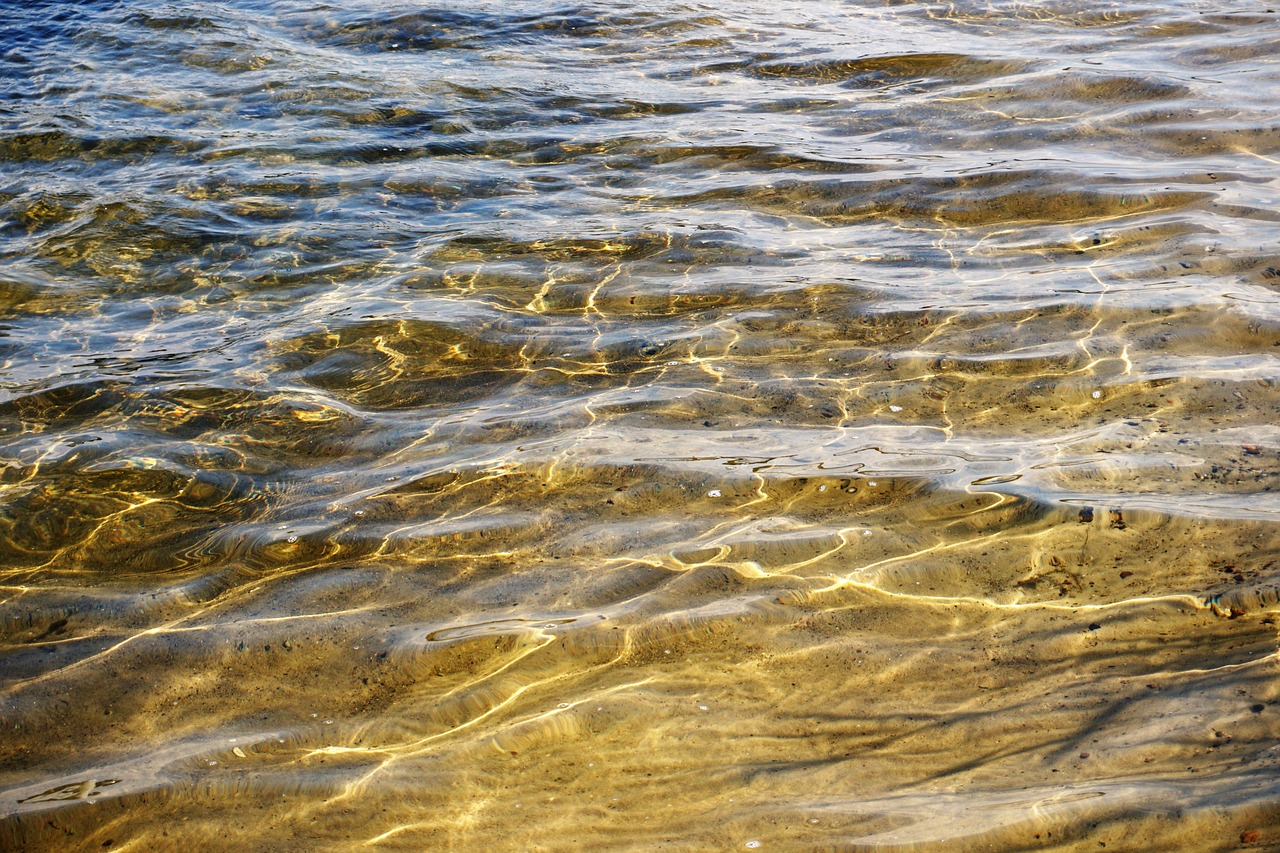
column 523, row 426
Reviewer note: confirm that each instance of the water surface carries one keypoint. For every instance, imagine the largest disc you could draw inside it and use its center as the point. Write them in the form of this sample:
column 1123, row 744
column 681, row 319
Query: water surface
column 781, row 426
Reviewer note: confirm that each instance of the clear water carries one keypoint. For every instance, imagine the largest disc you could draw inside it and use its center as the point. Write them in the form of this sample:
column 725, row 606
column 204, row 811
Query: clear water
column 781, row 426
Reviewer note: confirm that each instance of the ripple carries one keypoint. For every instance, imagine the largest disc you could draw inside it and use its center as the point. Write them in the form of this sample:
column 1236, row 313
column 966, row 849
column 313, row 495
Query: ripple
column 454, row 428
column 879, row 72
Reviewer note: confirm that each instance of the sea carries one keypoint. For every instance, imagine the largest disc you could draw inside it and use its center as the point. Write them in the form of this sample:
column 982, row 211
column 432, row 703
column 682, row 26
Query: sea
column 541, row 425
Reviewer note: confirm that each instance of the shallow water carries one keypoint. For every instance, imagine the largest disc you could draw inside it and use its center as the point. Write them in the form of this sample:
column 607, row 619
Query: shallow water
column 775, row 426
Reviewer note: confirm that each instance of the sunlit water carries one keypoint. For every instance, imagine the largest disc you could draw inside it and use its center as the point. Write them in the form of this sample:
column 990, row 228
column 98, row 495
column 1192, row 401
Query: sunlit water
column 752, row 425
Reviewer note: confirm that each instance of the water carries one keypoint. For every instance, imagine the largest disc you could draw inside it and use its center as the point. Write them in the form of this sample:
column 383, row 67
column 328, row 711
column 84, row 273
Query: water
column 784, row 425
